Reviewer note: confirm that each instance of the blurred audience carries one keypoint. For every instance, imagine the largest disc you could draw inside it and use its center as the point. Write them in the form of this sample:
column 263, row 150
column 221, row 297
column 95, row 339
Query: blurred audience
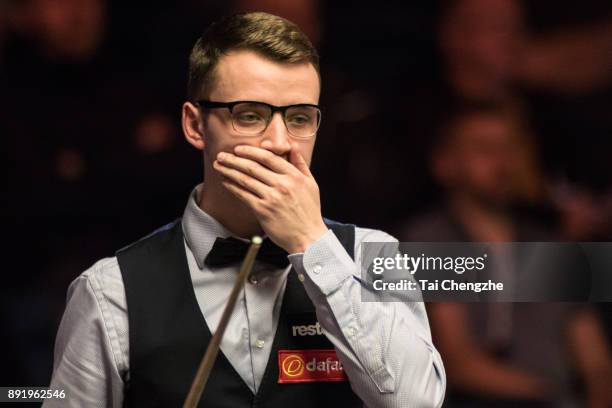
column 490, row 50
column 481, row 42
column 485, row 160
column 86, row 135
column 63, row 29
column 91, row 91
column 95, row 124
column 505, row 354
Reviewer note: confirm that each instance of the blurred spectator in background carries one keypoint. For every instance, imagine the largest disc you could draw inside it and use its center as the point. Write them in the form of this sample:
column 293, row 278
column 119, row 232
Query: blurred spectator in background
column 486, row 161
column 489, row 50
column 480, row 43
column 565, row 71
column 505, row 354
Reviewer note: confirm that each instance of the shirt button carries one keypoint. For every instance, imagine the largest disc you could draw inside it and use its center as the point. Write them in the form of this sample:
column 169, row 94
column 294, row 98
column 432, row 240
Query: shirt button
column 253, row 279
column 259, row 343
column 317, row 268
column 352, row 331
column 301, row 277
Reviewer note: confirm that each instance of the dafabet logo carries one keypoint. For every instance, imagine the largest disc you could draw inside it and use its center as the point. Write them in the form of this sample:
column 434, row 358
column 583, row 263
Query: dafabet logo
column 309, row 366
column 293, row 365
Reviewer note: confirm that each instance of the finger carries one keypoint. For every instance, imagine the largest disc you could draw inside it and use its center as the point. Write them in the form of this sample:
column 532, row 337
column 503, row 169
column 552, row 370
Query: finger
column 243, row 180
column 267, row 158
column 298, row 161
column 249, row 167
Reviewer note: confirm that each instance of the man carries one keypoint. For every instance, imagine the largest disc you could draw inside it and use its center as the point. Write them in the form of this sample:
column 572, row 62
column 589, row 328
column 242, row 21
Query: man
column 136, row 325
column 503, row 354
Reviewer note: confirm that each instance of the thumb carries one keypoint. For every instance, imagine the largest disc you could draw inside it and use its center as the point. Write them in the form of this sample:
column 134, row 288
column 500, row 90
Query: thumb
column 298, row 161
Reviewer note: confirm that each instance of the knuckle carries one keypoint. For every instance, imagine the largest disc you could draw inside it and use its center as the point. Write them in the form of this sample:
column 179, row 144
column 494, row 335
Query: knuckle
column 298, row 178
column 243, row 181
column 273, row 199
column 283, row 188
column 250, row 170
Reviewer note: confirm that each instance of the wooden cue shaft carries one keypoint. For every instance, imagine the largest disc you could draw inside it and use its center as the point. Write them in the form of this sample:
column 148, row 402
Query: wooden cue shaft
column 201, row 377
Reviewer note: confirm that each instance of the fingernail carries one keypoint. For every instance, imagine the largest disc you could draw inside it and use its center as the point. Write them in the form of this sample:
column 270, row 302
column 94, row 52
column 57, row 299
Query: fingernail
column 221, row 156
column 239, row 149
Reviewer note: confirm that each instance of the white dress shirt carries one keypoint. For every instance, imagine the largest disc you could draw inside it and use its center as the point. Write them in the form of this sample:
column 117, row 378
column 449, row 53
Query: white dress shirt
column 385, row 348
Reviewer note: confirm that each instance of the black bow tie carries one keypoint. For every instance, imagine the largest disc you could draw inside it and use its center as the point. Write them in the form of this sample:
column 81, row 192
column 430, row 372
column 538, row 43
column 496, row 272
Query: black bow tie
column 227, row 251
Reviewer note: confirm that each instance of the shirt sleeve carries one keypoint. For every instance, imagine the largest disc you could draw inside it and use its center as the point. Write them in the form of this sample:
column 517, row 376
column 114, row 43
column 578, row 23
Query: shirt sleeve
column 385, row 347
column 90, row 358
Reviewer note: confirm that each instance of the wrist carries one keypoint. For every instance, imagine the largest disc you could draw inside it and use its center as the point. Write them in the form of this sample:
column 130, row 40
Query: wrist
column 304, row 242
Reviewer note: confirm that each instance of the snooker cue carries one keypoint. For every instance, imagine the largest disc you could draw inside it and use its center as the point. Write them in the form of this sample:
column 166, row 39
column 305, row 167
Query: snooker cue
column 201, row 377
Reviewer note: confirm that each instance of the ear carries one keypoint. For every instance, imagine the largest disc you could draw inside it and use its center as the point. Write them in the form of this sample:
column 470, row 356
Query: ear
column 193, row 125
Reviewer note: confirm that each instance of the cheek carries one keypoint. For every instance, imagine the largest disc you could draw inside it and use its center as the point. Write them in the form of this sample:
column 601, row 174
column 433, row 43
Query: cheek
column 305, row 148
column 219, row 138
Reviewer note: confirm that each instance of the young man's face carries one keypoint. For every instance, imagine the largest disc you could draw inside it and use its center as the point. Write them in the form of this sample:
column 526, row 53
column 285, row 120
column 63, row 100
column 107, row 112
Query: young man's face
column 246, row 76
column 485, row 158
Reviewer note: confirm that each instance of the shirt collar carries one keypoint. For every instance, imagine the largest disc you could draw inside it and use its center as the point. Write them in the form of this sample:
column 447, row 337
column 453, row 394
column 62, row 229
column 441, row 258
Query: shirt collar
column 200, row 229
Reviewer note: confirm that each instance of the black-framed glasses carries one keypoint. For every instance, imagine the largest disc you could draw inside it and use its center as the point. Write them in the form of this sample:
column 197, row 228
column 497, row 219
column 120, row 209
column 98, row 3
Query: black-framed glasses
column 251, row 118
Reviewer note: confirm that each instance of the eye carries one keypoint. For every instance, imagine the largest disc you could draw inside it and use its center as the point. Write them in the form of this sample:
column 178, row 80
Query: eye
column 248, row 117
column 299, row 120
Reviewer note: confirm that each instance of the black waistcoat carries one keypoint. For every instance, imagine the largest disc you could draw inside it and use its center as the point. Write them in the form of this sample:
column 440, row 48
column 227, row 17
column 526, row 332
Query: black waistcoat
column 168, row 334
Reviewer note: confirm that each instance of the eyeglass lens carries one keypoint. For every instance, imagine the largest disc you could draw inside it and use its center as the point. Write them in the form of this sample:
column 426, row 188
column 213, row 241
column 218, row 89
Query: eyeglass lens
column 253, row 118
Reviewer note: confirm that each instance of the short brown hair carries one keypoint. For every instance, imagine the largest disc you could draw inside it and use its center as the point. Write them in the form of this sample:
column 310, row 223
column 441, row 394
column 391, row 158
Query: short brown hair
column 270, row 36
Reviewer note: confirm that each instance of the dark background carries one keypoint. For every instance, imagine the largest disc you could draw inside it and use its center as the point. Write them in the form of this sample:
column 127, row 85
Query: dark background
column 94, row 154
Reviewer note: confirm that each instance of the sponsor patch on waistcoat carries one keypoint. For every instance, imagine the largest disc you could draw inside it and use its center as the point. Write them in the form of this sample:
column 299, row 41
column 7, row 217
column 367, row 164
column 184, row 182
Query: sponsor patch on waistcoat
column 296, row 366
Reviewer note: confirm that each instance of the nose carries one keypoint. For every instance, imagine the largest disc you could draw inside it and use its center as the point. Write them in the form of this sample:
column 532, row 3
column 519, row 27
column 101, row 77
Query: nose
column 276, row 137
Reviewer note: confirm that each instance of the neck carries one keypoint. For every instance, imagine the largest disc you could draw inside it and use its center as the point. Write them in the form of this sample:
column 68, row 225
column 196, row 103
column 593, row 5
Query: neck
column 230, row 212
column 482, row 221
